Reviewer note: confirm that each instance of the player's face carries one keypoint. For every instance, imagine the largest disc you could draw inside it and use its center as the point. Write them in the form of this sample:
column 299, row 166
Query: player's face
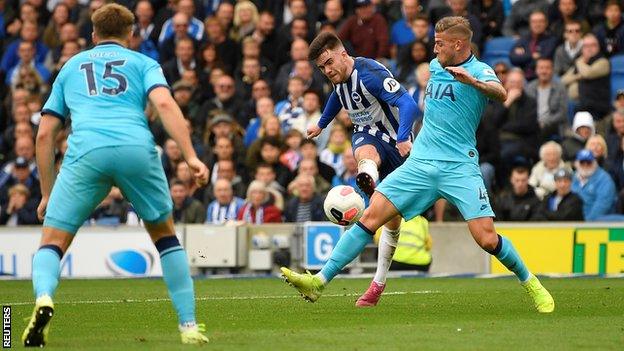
column 333, row 64
column 446, row 48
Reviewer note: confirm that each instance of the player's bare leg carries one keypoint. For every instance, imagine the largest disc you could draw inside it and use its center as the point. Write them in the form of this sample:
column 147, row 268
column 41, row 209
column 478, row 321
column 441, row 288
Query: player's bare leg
column 482, row 230
column 368, row 161
column 177, row 277
column 386, row 247
column 45, row 275
column 351, row 244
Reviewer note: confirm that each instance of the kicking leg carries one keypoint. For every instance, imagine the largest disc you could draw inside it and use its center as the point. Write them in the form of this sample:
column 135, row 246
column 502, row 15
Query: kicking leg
column 482, row 230
column 351, row 244
column 387, row 246
column 177, row 277
column 45, row 276
column 368, row 168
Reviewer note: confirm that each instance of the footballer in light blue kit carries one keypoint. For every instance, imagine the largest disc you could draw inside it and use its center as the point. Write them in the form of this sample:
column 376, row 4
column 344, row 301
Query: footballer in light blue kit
column 442, row 164
column 382, row 113
column 105, row 91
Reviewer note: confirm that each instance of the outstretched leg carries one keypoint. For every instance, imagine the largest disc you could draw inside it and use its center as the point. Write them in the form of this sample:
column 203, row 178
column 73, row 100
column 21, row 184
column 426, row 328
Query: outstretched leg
column 482, row 230
column 177, row 277
column 351, row 244
column 45, row 276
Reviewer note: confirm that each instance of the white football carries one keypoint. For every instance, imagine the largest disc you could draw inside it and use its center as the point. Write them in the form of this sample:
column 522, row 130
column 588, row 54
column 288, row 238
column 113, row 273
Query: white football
column 343, row 205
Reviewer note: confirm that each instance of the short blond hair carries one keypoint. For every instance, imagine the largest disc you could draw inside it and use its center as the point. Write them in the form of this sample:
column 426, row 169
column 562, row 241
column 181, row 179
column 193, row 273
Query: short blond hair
column 456, row 26
column 19, row 189
column 112, row 21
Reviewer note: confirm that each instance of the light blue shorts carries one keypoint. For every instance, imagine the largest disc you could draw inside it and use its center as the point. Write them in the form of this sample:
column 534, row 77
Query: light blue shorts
column 417, row 184
column 82, row 184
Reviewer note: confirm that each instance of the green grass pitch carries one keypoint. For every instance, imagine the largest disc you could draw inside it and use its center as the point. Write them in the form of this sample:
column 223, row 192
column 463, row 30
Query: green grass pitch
column 265, row 314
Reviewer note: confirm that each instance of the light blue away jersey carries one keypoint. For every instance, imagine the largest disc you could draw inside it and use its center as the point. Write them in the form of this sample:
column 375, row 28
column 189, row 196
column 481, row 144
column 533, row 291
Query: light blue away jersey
column 368, row 96
column 452, row 114
column 105, row 90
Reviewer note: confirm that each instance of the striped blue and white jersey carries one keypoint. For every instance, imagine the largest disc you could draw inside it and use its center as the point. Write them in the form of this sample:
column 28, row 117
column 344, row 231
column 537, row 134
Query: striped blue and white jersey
column 369, row 96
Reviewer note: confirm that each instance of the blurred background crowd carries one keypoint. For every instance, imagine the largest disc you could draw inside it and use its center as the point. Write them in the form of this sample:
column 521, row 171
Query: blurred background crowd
column 554, row 150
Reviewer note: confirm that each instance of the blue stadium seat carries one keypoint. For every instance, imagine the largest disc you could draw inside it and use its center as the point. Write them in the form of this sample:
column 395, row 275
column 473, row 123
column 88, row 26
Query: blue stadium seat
column 617, row 74
column 497, row 50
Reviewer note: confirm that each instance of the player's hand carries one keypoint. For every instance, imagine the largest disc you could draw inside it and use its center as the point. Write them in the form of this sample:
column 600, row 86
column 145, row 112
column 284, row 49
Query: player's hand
column 314, row 131
column 41, row 209
column 513, row 94
column 199, row 171
column 461, row 75
column 404, row 147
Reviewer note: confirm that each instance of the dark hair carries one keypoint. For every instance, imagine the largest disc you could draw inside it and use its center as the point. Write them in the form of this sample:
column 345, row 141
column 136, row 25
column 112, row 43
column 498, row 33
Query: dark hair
column 324, row 41
column 264, row 165
column 613, row 3
column 520, row 170
column 421, row 17
column 176, row 181
column 273, row 141
column 306, row 142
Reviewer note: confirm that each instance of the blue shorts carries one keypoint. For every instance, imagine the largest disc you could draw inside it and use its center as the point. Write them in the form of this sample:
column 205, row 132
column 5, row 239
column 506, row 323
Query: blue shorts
column 390, row 157
column 416, row 185
column 81, row 185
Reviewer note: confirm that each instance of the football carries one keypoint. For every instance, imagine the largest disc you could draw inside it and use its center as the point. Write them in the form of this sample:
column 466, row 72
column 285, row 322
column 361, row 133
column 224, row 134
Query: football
column 343, row 205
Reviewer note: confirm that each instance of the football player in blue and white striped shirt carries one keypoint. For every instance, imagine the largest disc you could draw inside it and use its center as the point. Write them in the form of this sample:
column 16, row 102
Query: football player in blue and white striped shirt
column 382, row 113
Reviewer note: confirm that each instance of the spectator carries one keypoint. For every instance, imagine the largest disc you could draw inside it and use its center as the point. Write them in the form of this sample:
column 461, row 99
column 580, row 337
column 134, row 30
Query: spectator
column 251, row 49
column 491, row 15
column 594, row 185
column 168, row 49
column 567, row 12
column 552, row 101
column 266, row 174
column 338, row 142
column 598, row 146
column 146, row 30
column 270, row 127
column 418, row 92
column 225, row 99
column 225, row 15
column 589, row 80
column 307, row 205
column 333, row 12
column 460, row 8
column 244, row 21
column 298, row 51
column 19, row 173
column 542, row 177
column 570, row 50
column 518, row 21
column 226, row 206
column 60, row 16
column 617, row 172
column 367, row 31
column 616, row 132
column 19, row 210
column 29, row 33
column 257, row 208
column 264, row 34
column 610, row 33
column 310, row 114
column 516, row 120
column 26, row 54
column 195, row 27
column 185, row 208
column 310, row 167
column 183, row 173
column 582, row 129
column 519, row 203
column 534, row 45
column 183, row 92
column 225, row 169
column 291, row 157
column 298, row 29
column 309, row 151
column 264, row 109
column 563, row 204
column 171, row 156
column 184, row 60
column 488, row 147
column 401, row 32
column 223, row 149
column 421, row 27
column 414, row 55
column 227, row 49
column 291, row 107
column 113, row 210
column 251, row 72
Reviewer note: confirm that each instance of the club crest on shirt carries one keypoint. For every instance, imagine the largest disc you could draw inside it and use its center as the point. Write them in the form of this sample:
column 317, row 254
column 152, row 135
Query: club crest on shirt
column 356, row 97
column 391, row 85
column 489, row 71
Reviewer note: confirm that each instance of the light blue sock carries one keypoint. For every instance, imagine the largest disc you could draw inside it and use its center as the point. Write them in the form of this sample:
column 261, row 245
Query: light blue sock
column 177, row 276
column 508, row 256
column 46, row 270
column 350, row 245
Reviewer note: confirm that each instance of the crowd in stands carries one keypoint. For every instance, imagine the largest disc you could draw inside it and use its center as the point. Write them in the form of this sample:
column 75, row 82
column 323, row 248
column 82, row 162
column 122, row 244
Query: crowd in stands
column 553, row 150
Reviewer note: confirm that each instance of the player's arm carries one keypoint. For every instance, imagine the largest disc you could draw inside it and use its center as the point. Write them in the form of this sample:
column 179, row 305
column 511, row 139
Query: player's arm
column 407, row 113
column 492, row 89
column 330, row 111
column 173, row 121
column 49, row 128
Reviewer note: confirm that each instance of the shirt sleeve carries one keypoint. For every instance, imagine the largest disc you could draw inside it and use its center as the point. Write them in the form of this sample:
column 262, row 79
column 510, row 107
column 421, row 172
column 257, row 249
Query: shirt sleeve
column 485, row 73
column 153, row 77
column 56, row 105
column 381, row 84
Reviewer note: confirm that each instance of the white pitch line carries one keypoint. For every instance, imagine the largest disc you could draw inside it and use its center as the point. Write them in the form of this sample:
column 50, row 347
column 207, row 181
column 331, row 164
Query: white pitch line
column 215, row 298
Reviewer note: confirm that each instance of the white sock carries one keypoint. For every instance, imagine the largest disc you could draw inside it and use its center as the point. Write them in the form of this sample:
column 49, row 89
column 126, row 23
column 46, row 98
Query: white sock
column 387, row 245
column 322, row 278
column 369, row 167
column 187, row 326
